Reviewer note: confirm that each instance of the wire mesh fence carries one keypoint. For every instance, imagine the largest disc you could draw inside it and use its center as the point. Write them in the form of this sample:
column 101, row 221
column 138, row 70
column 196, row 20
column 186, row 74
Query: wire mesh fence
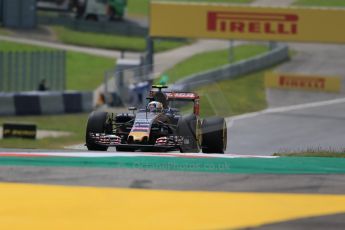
column 24, row 71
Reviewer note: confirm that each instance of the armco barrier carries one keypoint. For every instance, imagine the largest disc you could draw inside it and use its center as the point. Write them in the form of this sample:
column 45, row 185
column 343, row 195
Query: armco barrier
column 126, row 27
column 48, row 102
column 269, row 59
column 52, row 103
column 7, row 104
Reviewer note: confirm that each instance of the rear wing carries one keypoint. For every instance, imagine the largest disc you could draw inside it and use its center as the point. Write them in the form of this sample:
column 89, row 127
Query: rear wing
column 173, row 95
column 182, row 96
column 186, row 97
column 164, row 97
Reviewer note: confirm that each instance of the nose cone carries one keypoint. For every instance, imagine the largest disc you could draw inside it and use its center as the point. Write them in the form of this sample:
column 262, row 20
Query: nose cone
column 138, row 137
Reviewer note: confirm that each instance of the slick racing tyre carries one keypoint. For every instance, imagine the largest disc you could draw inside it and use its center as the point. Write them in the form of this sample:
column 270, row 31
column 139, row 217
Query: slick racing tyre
column 189, row 128
column 214, row 135
column 95, row 124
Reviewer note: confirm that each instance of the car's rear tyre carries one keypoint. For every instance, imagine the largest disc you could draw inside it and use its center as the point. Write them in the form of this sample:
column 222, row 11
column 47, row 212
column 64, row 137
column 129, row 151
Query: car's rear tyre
column 214, row 135
column 95, row 124
column 189, row 127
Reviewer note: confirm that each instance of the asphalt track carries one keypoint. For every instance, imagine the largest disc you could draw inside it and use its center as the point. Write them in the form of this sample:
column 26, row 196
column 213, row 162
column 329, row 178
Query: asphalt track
column 312, row 126
column 175, row 180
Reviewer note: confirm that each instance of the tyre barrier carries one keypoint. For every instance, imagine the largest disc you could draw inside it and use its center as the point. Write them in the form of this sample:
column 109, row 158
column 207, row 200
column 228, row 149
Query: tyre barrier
column 48, row 102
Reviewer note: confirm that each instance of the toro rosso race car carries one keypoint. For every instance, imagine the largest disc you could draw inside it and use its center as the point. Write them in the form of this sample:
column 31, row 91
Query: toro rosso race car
column 157, row 127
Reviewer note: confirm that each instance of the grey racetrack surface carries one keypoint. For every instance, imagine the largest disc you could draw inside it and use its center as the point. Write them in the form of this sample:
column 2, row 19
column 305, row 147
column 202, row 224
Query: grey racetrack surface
column 334, row 222
column 168, row 180
column 321, row 127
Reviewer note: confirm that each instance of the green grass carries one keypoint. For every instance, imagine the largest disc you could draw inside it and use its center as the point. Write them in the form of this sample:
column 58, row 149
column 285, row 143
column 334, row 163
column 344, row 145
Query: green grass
column 12, row 46
column 312, row 154
column 230, row 97
column 140, row 7
column 84, row 72
column 71, row 123
column 329, row 3
column 4, row 32
column 109, row 41
column 210, row 60
column 240, row 95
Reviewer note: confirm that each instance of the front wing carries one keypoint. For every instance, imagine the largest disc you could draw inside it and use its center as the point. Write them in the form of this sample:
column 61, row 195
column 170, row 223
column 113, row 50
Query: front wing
column 170, row 143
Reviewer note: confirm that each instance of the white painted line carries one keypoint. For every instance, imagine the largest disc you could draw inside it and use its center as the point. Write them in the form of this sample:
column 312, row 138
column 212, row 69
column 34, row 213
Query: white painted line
column 231, row 120
column 91, row 154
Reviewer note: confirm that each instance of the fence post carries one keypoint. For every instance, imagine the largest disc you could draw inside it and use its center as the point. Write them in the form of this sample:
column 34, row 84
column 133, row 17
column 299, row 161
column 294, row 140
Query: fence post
column 10, row 74
column 16, row 85
column 32, row 70
column 56, row 70
column 51, row 70
column 40, row 66
column 63, row 70
column 2, row 74
column 37, row 69
column 45, row 74
column 48, row 70
column 24, row 73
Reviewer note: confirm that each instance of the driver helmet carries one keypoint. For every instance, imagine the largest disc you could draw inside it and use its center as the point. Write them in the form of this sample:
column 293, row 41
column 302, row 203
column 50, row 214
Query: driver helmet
column 155, row 106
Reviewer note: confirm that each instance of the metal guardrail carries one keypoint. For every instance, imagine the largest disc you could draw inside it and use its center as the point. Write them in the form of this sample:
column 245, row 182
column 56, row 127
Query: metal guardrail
column 23, row 71
column 275, row 56
column 126, row 28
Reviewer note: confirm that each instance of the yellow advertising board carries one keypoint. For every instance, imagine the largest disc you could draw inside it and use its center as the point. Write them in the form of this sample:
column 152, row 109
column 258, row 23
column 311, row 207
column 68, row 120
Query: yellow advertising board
column 223, row 21
column 302, row 82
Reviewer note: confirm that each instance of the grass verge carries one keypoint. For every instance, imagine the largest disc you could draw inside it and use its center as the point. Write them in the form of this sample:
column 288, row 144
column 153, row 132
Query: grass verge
column 210, row 60
column 140, row 7
column 312, row 154
column 75, row 124
column 4, row 31
column 110, row 41
column 84, row 71
column 240, row 95
column 327, row 3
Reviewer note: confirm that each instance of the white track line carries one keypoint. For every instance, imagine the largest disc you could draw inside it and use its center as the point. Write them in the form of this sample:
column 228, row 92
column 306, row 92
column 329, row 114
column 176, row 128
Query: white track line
column 127, row 154
column 231, row 120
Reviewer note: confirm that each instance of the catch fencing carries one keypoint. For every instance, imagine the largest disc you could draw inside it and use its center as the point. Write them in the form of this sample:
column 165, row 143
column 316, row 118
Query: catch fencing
column 126, row 27
column 23, row 71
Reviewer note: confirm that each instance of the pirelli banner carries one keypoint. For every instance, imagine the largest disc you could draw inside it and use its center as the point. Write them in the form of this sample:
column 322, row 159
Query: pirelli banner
column 303, row 82
column 195, row 20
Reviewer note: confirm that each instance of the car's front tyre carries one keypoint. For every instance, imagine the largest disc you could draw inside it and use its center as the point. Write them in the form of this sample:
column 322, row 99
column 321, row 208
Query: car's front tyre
column 95, row 124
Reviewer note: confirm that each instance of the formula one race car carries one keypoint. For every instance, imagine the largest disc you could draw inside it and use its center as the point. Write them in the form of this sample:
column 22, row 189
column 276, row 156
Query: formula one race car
column 157, row 127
